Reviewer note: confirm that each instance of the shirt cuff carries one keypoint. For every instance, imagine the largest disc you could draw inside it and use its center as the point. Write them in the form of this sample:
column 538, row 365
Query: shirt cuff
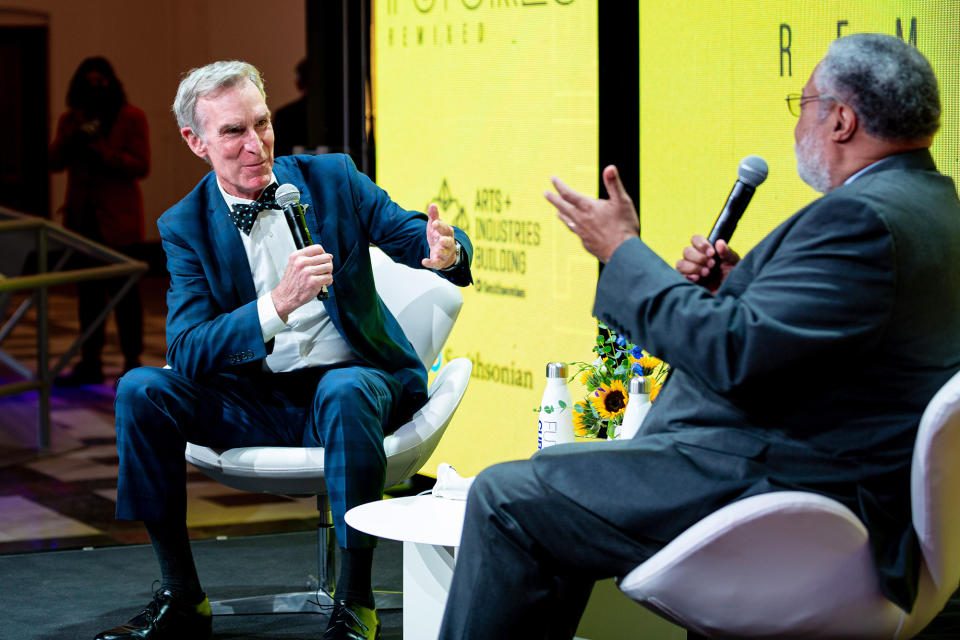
column 270, row 322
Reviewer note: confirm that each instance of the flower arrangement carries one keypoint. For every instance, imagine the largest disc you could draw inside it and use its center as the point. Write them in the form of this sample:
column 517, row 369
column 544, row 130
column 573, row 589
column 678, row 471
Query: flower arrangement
column 607, row 379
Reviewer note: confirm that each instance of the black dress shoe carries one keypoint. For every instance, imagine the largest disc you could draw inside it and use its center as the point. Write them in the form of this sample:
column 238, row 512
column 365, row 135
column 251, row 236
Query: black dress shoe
column 83, row 373
column 166, row 618
column 351, row 621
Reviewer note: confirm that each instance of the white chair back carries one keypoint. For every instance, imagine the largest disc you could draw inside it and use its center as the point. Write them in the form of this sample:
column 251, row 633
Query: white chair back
column 935, row 501
column 935, row 484
column 425, row 305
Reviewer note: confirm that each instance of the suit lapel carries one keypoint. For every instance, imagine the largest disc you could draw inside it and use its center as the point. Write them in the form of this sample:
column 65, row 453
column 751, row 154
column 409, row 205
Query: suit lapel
column 227, row 244
column 311, row 213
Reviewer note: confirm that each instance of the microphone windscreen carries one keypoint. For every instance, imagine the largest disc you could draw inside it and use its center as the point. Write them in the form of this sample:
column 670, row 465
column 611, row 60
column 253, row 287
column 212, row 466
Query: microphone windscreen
column 752, row 171
column 287, row 194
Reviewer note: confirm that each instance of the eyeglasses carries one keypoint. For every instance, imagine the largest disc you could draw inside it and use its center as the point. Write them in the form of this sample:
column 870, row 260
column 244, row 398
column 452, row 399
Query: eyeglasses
column 795, row 101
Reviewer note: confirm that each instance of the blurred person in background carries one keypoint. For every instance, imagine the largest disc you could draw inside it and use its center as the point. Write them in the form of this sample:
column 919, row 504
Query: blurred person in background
column 290, row 122
column 102, row 143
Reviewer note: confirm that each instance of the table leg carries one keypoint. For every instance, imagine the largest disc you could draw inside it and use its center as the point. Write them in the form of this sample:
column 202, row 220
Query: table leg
column 427, row 571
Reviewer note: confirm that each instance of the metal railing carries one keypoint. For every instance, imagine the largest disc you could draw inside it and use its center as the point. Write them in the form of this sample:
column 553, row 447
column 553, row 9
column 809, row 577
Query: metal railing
column 37, row 283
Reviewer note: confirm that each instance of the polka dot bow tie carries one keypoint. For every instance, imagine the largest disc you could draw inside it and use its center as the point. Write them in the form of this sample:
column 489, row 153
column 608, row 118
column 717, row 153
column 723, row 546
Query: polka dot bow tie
column 243, row 215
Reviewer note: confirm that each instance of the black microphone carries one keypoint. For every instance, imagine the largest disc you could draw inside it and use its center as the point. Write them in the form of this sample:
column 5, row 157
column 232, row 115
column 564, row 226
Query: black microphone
column 288, row 197
column 750, row 174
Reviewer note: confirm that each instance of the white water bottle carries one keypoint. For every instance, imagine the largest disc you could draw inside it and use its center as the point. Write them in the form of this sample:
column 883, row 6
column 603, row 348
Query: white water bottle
column 556, row 424
column 637, row 406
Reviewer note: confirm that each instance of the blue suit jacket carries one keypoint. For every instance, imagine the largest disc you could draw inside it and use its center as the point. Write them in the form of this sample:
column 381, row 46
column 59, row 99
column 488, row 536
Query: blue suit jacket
column 212, row 321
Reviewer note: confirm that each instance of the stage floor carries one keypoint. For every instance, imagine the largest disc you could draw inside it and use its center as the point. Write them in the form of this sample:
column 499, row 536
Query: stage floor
column 65, row 595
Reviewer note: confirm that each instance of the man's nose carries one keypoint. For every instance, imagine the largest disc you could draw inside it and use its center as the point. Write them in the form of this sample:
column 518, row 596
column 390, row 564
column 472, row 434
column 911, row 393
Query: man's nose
column 252, row 142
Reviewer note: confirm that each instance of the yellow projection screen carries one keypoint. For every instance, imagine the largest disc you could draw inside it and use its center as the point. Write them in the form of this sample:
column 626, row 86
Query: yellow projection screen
column 713, row 80
column 477, row 104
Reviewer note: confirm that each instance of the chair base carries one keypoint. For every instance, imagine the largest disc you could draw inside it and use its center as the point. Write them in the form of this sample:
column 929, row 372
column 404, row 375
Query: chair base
column 297, row 602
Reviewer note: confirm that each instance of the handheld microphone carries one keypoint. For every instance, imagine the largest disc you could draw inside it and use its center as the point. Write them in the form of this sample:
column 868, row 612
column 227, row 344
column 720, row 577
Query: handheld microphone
column 288, row 197
column 750, row 174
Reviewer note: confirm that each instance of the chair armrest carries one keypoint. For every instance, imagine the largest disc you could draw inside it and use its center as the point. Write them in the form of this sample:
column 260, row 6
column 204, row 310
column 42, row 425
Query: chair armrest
column 409, row 446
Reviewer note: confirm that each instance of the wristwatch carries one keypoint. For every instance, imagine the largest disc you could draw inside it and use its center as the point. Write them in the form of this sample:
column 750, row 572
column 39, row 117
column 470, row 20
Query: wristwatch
column 456, row 261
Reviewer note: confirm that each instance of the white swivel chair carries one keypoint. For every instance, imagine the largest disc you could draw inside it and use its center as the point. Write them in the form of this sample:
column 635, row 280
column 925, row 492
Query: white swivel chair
column 426, row 307
column 797, row 565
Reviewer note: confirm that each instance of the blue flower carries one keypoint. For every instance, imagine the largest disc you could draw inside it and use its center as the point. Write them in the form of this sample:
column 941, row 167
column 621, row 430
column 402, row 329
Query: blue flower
column 621, row 341
column 637, row 369
column 637, row 353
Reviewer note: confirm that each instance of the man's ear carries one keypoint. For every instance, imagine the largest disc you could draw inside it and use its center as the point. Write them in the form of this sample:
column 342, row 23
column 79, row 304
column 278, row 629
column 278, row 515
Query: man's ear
column 845, row 124
column 194, row 141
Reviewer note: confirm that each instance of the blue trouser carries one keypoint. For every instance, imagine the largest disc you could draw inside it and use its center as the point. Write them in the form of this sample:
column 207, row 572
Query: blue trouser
column 344, row 409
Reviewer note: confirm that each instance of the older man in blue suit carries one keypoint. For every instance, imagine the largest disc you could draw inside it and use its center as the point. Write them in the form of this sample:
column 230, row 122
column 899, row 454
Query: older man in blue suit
column 255, row 357
column 857, row 287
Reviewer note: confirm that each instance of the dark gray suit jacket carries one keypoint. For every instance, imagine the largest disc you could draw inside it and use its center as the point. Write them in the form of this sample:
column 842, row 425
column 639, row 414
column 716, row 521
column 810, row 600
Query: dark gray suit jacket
column 808, row 370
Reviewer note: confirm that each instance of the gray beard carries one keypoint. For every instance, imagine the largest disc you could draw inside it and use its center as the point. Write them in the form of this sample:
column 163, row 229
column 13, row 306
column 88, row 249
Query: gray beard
column 811, row 167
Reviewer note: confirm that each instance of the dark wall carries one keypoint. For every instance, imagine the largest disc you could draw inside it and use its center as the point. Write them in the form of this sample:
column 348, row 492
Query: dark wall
column 24, row 182
column 338, row 54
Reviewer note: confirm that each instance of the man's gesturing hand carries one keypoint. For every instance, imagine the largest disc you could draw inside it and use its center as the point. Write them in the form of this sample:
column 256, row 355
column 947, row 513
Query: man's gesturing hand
column 602, row 225
column 443, row 248
column 308, row 270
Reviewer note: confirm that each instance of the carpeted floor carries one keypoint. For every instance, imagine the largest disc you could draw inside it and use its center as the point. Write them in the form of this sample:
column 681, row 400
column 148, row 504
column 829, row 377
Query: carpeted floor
column 71, row 595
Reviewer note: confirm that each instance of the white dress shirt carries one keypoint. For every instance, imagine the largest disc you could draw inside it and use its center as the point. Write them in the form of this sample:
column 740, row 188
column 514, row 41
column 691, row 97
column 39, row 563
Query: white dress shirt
column 308, row 338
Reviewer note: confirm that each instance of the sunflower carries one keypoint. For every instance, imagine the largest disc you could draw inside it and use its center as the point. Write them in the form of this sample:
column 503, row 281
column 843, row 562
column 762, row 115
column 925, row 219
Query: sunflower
column 649, row 363
column 580, row 427
column 655, row 391
column 611, row 400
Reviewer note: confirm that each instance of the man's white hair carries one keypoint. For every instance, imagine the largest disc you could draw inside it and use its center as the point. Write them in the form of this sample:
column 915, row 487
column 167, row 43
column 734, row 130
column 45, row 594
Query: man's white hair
column 206, row 80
